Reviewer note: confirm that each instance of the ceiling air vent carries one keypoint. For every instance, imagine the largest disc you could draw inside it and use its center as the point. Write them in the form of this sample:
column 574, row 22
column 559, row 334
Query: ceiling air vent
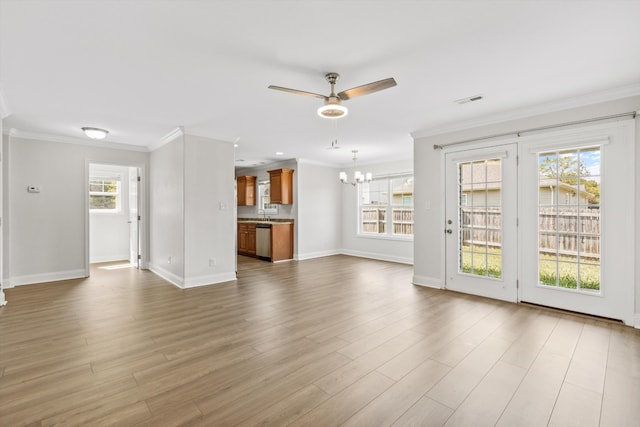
column 468, row 99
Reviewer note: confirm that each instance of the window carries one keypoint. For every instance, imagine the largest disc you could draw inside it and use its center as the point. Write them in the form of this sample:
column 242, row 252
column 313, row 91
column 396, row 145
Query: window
column 569, row 227
column 264, row 199
column 480, row 218
column 386, row 206
column 104, row 194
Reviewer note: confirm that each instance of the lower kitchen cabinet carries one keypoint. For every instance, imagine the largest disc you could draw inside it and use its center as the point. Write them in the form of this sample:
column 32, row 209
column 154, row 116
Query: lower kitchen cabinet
column 281, row 242
column 247, row 239
column 280, row 239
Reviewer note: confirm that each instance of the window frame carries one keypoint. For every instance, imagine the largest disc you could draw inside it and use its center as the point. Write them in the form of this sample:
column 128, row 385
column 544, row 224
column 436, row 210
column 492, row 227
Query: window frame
column 117, row 194
column 389, row 207
column 264, row 190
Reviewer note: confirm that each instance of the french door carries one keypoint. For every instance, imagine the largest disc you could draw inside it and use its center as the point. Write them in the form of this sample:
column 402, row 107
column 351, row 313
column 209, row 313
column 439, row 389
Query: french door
column 577, row 220
column 480, row 221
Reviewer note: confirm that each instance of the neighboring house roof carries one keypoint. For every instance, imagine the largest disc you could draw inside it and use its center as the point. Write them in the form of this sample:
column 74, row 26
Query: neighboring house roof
column 481, row 176
column 545, row 182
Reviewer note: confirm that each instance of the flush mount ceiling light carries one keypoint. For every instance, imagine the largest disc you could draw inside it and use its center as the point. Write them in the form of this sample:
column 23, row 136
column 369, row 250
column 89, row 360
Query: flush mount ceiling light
column 95, row 133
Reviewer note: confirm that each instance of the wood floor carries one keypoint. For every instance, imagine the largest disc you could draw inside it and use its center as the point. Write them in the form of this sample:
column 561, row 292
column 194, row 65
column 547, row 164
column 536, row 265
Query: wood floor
column 330, row 341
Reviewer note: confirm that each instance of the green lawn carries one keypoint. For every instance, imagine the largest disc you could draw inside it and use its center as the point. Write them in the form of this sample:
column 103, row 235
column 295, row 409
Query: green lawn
column 565, row 277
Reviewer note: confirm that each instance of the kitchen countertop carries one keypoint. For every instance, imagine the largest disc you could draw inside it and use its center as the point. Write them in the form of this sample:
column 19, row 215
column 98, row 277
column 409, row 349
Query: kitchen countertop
column 273, row 221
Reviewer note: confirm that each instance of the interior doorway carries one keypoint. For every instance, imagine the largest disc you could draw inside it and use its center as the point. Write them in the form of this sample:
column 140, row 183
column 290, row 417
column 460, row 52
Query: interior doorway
column 114, row 214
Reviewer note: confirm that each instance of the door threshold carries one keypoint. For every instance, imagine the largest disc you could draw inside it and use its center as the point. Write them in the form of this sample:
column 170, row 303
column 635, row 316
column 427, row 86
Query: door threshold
column 574, row 313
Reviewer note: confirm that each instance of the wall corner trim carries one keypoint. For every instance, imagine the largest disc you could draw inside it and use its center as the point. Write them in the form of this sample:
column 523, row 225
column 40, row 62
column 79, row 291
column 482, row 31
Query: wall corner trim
column 176, row 133
column 167, row 275
column 429, row 282
column 636, row 323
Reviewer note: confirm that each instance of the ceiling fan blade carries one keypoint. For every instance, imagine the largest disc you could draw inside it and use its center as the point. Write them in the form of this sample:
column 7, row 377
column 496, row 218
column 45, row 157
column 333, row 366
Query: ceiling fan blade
column 367, row 89
column 297, row 92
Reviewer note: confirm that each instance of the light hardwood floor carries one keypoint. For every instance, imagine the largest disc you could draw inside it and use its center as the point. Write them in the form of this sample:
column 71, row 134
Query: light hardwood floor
column 330, row 341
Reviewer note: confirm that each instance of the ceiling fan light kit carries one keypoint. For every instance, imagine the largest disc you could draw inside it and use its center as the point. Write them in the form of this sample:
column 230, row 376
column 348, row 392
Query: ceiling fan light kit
column 333, row 108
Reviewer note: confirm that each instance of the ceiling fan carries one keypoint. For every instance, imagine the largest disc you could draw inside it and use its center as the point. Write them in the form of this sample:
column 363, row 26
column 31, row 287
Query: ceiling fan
column 332, row 108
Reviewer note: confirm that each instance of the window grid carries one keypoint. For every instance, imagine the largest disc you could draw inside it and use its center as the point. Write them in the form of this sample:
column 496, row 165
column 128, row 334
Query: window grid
column 480, row 218
column 382, row 196
column 569, row 219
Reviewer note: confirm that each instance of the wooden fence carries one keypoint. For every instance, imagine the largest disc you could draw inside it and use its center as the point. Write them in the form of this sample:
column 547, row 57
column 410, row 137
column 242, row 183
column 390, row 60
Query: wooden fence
column 567, row 231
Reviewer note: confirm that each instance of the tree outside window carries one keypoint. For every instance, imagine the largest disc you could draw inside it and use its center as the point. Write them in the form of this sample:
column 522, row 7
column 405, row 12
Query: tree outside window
column 104, row 195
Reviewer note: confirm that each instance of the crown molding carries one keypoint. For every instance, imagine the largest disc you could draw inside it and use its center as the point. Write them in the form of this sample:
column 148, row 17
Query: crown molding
column 317, row 163
column 77, row 141
column 176, row 133
column 549, row 107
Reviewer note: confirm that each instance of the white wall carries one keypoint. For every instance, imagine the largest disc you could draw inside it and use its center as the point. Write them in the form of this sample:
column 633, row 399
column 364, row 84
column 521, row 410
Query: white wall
column 192, row 216
column 109, row 231
column 429, row 196
column 372, row 247
column 209, row 211
column 319, row 201
column 166, row 202
column 45, row 232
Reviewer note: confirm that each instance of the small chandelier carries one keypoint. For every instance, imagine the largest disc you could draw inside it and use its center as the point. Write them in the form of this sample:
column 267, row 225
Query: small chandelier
column 358, row 177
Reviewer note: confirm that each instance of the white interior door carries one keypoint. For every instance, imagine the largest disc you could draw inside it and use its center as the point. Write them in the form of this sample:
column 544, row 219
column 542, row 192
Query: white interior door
column 576, row 220
column 134, row 226
column 481, row 221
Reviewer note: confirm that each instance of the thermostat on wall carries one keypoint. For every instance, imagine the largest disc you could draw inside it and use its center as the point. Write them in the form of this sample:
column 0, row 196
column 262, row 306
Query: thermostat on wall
column 33, row 189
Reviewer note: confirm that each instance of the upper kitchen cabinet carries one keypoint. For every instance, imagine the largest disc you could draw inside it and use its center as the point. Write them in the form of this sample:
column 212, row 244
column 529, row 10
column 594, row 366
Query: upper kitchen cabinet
column 246, row 190
column 281, row 181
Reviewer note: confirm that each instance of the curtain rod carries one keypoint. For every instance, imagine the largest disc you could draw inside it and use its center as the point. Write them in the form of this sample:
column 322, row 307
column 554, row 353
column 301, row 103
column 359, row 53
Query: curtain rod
column 519, row 132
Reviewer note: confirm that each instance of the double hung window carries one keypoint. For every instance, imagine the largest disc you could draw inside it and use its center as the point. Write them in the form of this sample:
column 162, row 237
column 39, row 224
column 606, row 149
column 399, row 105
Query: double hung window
column 385, row 206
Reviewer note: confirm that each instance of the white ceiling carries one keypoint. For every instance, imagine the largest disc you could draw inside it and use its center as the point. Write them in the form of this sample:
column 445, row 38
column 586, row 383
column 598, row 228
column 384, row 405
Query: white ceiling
column 142, row 68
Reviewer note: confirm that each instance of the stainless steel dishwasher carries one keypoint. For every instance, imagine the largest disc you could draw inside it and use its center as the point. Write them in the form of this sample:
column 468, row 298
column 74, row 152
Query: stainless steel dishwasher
column 263, row 240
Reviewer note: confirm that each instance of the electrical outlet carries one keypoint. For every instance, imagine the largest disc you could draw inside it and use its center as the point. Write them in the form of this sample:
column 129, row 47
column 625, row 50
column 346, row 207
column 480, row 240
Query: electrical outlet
column 169, row 260
column 212, row 262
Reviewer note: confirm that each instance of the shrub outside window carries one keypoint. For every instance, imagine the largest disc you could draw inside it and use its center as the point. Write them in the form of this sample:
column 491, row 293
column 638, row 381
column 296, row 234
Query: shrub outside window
column 104, row 195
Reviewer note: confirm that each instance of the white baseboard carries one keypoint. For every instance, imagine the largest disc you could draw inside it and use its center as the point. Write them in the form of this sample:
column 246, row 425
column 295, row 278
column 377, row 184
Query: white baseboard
column 31, row 279
column 320, row 254
column 109, row 258
column 193, row 282
column 166, row 275
column 211, row 279
column 429, row 282
column 378, row 256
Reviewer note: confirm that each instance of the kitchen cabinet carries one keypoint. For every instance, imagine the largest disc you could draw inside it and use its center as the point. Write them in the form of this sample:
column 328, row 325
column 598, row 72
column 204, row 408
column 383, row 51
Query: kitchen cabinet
column 276, row 240
column 247, row 239
column 246, row 187
column 281, row 242
column 281, row 183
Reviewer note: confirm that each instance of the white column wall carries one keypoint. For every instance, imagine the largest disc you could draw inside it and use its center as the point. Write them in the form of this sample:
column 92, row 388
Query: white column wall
column 209, row 212
column 319, row 202
column 166, row 181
